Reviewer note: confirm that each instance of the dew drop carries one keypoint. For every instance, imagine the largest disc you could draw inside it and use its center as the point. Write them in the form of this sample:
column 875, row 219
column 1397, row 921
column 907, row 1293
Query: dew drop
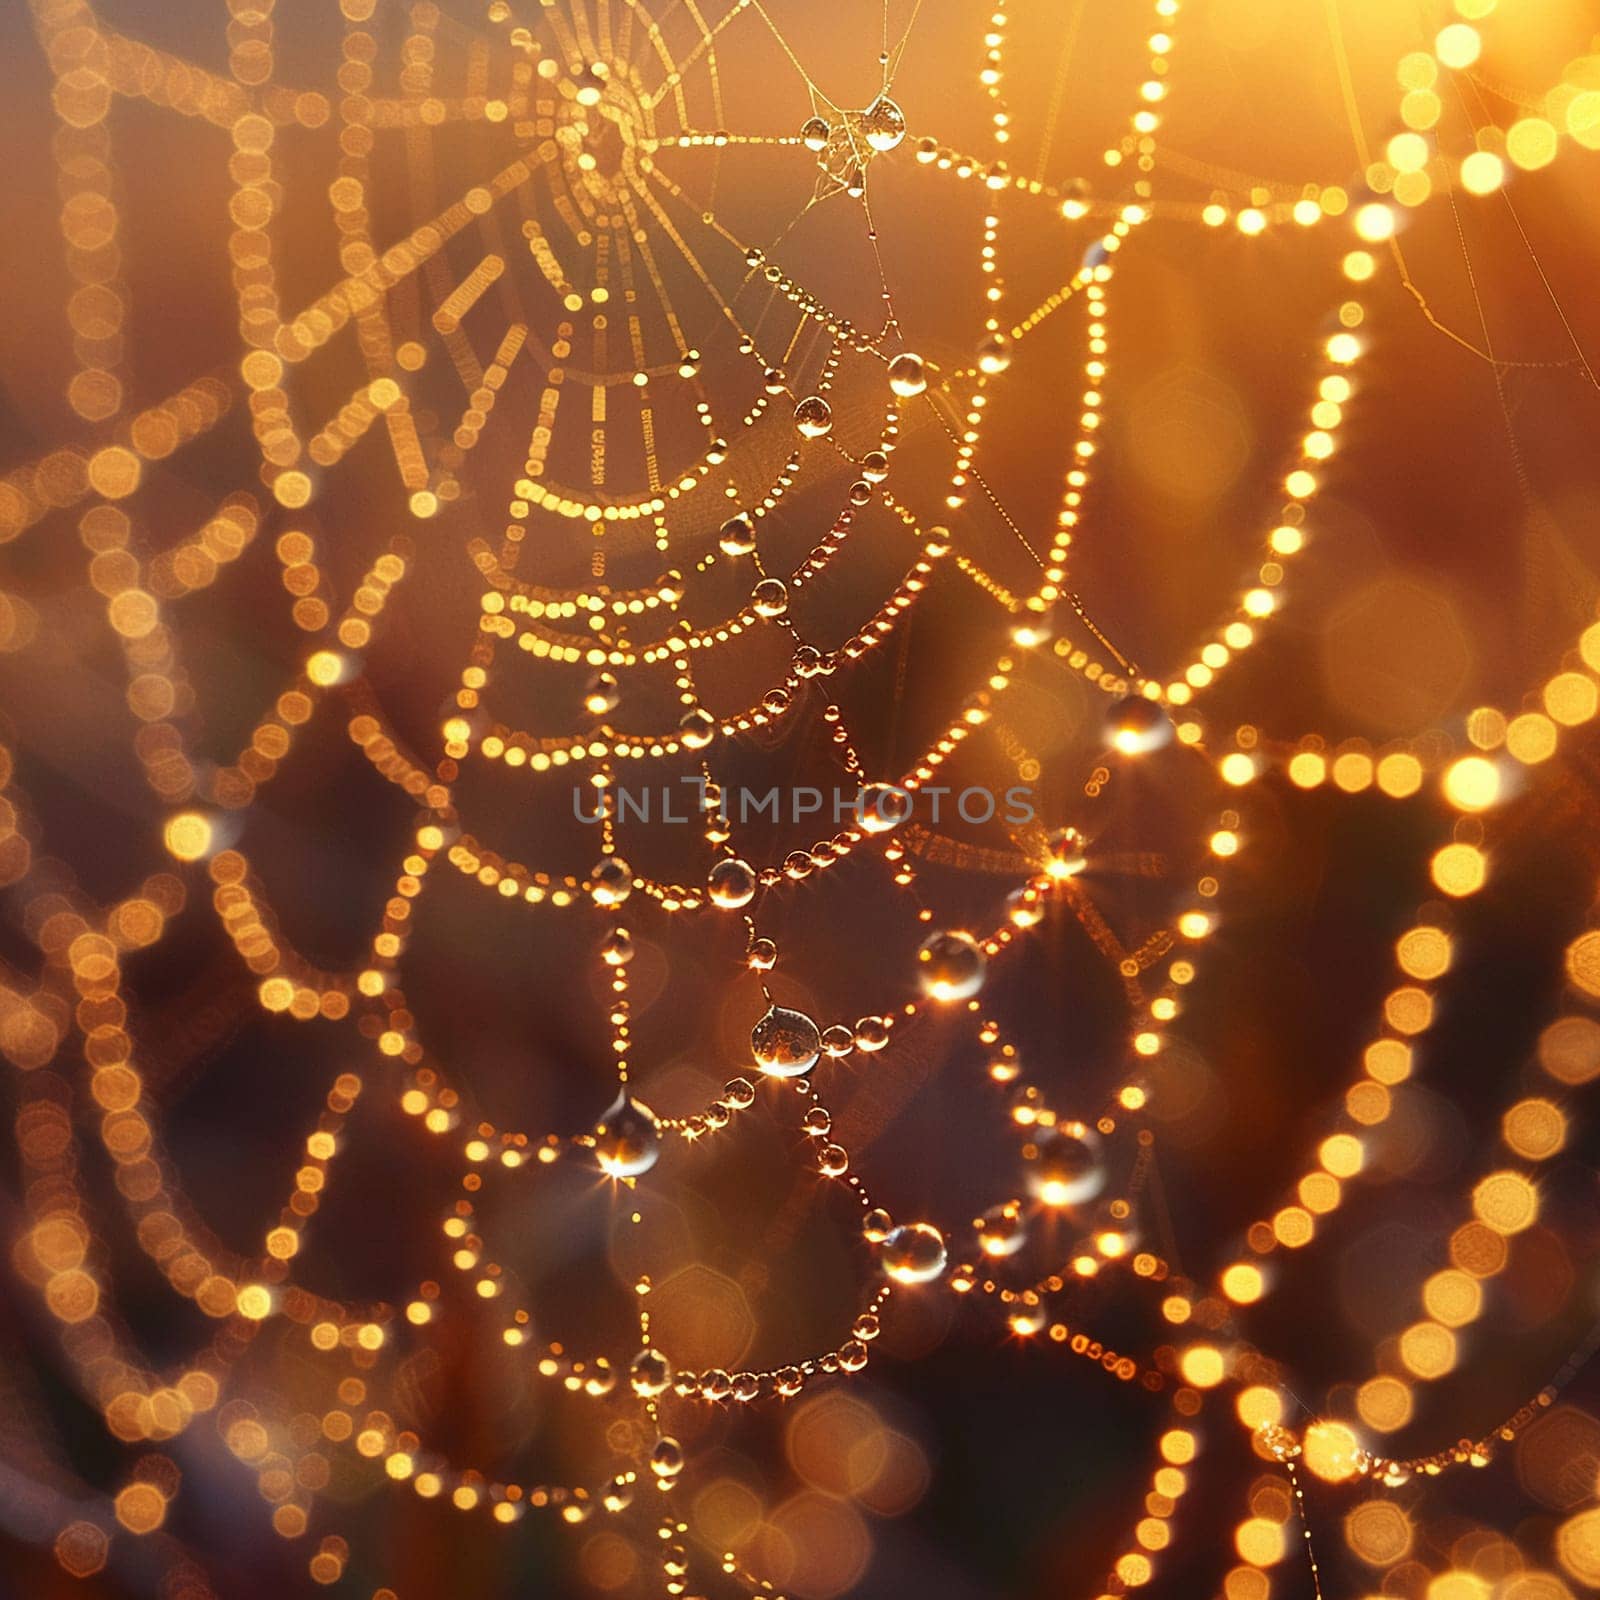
column 627, row 1139
column 1067, row 853
column 884, row 124
column 952, row 966
column 610, row 881
column 731, row 884
column 1136, row 725
column 882, row 807
column 833, row 1160
column 994, row 354
column 697, row 729
column 871, row 1033
column 786, row 1043
column 738, row 534
column 770, row 598
column 1002, row 1230
column 813, row 417
column 602, row 694
column 914, row 1253
column 908, row 375
column 1067, row 1169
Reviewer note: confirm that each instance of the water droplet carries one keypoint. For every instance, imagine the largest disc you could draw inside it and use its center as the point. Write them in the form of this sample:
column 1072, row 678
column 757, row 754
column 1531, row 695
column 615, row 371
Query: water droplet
column 884, row 124
column 838, row 1040
column 1004, row 1068
column 866, row 1326
column 739, row 1093
column 807, row 661
column 1067, row 1169
column 833, row 1160
column 610, row 881
column 952, row 966
column 773, row 380
column 618, row 1495
column 731, row 884
column 1067, row 853
column 814, row 133
column 666, row 1460
column 882, row 806
column 1033, row 628
column 627, row 1139
column 852, row 1355
column 462, row 724
column 872, row 1033
column 874, row 466
column 738, row 535
column 813, row 417
column 994, row 354
column 770, row 598
column 1002, row 1230
column 877, row 1225
column 602, row 694
column 914, row 1253
column 908, row 375
column 697, row 729
column 786, row 1043
column 1136, row 725
column 1024, row 907
column 817, row 1121
column 617, row 951
column 763, row 955
column 1277, row 1441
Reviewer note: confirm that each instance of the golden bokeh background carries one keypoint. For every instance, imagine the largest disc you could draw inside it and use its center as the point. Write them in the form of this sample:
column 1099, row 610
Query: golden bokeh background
column 430, row 424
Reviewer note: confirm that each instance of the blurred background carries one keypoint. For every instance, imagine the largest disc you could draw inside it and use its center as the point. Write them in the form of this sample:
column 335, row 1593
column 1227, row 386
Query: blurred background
column 229, row 224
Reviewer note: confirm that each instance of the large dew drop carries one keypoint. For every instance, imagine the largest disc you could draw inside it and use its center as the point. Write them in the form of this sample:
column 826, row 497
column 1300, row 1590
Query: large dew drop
column 786, row 1043
column 1067, row 1169
column 813, row 417
column 610, row 881
column 914, row 1253
column 627, row 1139
column 649, row 1373
column 731, row 884
column 952, row 966
column 1136, row 725
column 884, row 124
column 908, row 377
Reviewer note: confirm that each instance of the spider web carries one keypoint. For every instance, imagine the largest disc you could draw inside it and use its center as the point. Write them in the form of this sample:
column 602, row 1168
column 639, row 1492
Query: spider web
column 657, row 379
